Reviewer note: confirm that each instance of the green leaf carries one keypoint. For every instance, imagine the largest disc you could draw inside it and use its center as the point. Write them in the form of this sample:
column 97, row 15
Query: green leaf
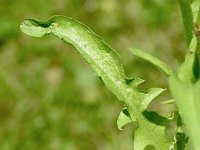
column 107, row 65
column 150, row 134
column 191, row 19
column 151, row 95
column 185, row 84
column 155, row 61
column 35, row 28
column 195, row 6
column 104, row 60
column 186, row 11
column 180, row 137
column 156, row 118
column 124, row 118
column 134, row 82
column 181, row 140
column 147, row 133
column 196, row 13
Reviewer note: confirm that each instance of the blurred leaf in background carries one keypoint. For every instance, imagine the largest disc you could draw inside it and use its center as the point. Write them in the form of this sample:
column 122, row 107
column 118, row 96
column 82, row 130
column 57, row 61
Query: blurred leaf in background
column 50, row 98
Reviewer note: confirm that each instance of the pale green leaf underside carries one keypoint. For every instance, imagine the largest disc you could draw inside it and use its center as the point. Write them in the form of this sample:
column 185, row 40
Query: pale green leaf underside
column 152, row 59
column 107, row 65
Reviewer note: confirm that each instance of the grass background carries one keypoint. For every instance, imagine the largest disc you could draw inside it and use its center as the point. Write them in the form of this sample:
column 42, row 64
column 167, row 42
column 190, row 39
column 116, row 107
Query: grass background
column 50, row 98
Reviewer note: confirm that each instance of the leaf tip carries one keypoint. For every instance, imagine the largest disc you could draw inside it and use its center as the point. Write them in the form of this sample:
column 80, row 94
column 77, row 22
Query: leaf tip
column 33, row 28
column 123, row 119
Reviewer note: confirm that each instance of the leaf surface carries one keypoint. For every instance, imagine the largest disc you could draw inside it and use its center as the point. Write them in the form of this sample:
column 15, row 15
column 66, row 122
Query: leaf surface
column 107, row 65
column 152, row 59
column 124, row 118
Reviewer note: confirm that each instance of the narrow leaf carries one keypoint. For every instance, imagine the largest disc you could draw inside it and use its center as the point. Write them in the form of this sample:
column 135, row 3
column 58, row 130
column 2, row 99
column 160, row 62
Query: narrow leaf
column 152, row 59
column 186, row 11
column 196, row 14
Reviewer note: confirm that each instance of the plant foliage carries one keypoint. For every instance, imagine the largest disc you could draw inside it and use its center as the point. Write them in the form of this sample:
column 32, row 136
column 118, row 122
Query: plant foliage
column 105, row 62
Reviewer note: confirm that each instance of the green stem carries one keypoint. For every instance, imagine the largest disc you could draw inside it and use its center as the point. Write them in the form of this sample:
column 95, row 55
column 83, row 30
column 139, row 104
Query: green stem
column 187, row 19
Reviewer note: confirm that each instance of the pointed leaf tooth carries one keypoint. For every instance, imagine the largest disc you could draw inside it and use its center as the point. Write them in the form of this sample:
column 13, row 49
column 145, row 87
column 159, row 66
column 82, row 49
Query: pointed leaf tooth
column 149, row 133
column 134, row 82
column 151, row 94
column 123, row 119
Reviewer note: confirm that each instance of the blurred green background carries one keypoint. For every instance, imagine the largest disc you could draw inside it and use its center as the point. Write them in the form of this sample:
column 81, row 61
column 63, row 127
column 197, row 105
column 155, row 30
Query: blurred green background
column 49, row 97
